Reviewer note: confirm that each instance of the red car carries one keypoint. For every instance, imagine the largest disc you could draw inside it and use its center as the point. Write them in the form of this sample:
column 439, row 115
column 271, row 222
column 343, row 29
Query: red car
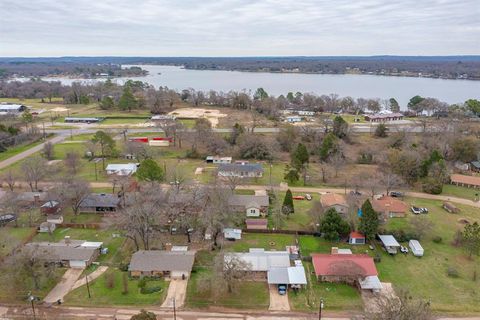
column 298, row 198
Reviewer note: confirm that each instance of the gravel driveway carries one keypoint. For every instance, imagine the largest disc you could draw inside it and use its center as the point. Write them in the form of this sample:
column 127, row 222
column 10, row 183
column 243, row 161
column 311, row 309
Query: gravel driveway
column 277, row 301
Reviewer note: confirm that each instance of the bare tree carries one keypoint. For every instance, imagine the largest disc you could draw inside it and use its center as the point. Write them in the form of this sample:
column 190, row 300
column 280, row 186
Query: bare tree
column 34, row 170
column 72, row 162
column 420, row 226
column 140, row 151
column 73, row 191
column 92, row 149
column 10, row 178
column 48, row 150
column 230, row 271
column 401, row 307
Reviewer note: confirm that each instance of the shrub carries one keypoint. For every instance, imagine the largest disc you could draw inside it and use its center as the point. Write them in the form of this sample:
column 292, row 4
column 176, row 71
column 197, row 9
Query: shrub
column 123, row 267
column 432, row 186
column 377, row 258
column 457, row 238
column 142, row 283
column 452, row 272
column 437, row 239
column 152, row 289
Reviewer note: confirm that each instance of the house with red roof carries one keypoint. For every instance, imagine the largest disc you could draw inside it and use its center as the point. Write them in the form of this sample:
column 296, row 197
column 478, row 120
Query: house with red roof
column 353, row 269
column 390, row 207
column 356, row 238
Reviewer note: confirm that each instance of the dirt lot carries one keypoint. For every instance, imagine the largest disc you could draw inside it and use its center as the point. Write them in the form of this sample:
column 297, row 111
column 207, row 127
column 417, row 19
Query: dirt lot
column 212, row 115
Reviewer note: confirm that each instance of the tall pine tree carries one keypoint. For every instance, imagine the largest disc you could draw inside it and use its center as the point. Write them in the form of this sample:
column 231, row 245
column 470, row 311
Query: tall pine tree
column 287, row 207
column 369, row 221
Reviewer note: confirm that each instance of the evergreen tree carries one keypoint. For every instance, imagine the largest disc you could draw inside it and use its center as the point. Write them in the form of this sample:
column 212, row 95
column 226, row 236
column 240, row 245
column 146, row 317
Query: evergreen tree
column 394, row 106
column 127, row 100
column 287, row 207
column 149, row 171
column 291, row 174
column 340, row 127
column 333, row 226
column 368, row 221
column 381, row 131
column 471, row 238
column 107, row 103
column 328, row 147
column 300, row 156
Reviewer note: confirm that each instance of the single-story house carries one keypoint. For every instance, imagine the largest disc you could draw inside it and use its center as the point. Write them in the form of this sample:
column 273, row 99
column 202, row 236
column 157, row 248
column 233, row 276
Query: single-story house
column 100, row 202
column 232, row 234
column 465, row 181
column 475, row 166
column 163, row 117
column 259, row 260
column 31, row 198
column 450, row 207
column 138, row 139
column 12, row 108
column 390, row 207
column 293, row 119
column 252, row 205
column 336, row 201
column 47, row 227
column 256, row 224
column 83, row 119
column 6, row 218
column 292, row 276
column 241, row 170
column 306, row 113
column 389, row 243
column 216, row 159
column 69, row 253
column 161, row 263
column 356, row 238
column 383, row 117
column 121, row 169
column 355, row 269
column 50, row 207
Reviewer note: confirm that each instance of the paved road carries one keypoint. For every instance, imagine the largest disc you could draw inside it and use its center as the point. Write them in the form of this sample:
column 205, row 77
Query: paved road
column 22, row 155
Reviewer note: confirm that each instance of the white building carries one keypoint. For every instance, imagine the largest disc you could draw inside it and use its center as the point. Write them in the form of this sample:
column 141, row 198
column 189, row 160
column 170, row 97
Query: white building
column 122, row 169
column 306, row 113
column 416, row 247
column 293, row 119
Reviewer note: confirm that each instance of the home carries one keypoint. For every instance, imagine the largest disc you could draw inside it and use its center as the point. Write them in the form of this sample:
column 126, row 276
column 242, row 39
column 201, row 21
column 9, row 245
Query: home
column 46, row 227
column 306, row 113
column 258, row 261
column 389, row 243
column 216, row 159
column 100, row 202
column 31, row 198
column 6, row 218
column 12, row 108
column 256, row 224
column 163, row 117
column 83, row 119
column 121, row 169
column 465, row 181
column 253, row 206
column 450, row 207
column 291, row 276
column 161, row 263
column 293, row 119
column 384, row 117
column 356, row 238
column 68, row 253
column 232, row 234
column 336, row 201
column 475, row 166
column 390, row 207
column 353, row 269
column 50, row 207
column 241, row 170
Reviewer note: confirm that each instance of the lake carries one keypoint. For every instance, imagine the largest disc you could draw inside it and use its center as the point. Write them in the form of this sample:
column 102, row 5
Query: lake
column 366, row 86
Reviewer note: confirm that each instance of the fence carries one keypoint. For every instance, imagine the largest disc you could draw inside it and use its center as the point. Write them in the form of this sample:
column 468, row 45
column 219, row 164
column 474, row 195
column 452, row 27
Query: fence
column 80, row 225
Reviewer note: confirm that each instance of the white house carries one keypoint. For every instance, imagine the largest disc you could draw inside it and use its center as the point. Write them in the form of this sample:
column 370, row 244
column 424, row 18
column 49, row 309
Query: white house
column 122, row 169
column 416, row 247
column 292, row 119
column 12, row 108
column 306, row 113
column 232, row 234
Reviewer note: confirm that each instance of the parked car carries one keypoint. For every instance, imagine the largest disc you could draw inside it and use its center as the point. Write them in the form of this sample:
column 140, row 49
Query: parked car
column 403, row 249
column 282, row 289
column 424, row 210
column 298, row 198
column 416, row 210
column 396, row 194
column 355, row 193
column 308, row 196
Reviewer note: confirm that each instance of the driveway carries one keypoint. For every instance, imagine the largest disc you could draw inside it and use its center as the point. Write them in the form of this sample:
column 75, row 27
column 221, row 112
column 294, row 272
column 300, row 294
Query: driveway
column 64, row 286
column 92, row 276
column 277, row 301
column 372, row 301
column 176, row 290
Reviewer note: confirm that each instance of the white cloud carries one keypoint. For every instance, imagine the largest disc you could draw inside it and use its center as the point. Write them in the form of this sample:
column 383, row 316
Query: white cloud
column 238, row 27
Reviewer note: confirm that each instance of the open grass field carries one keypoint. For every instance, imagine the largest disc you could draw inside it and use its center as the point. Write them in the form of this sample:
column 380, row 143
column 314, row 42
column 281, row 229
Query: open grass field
column 103, row 295
column 460, row 192
column 257, row 240
column 18, row 149
column 11, row 237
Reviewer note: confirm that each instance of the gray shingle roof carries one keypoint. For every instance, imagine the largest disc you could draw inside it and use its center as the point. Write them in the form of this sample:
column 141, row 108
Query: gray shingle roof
column 248, row 200
column 236, row 167
column 100, row 200
column 159, row 260
column 61, row 251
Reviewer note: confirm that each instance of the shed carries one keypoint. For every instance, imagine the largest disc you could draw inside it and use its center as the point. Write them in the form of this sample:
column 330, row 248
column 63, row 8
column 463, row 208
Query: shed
column 450, row 207
column 416, row 247
column 356, row 238
column 46, row 227
column 50, row 207
column 294, row 276
column 370, row 283
column 121, row 169
column 257, row 224
column 232, row 234
column 389, row 243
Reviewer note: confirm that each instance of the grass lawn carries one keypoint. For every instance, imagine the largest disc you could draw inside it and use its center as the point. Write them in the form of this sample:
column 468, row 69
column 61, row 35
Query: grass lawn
column 336, row 296
column 10, row 152
column 427, row 277
column 249, row 294
column 460, row 192
column 188, row 123
column 102, row 295
column 11, row 237
column 123, row 121
column 69, row 217
column 301, row 219
column 259, row 240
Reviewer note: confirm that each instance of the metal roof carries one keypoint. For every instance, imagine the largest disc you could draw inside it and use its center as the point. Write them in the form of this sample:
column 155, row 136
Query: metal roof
column 388, row 240
column 261, row 260
column 159, row 260
column 370, row 283
column 288, row 275
column 238, row 167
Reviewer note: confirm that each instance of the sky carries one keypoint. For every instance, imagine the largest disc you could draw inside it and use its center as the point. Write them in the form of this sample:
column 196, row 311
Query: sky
column 53, row 28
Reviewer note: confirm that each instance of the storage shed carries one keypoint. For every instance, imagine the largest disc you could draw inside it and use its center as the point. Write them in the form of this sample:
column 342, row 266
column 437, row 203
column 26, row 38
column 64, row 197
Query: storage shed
column 389, row 243
column 416, row 248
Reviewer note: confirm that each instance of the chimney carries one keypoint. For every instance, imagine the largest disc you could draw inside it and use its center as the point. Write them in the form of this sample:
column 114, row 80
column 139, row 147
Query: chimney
column 334, row 250
column 168, row 246
column 67, row 240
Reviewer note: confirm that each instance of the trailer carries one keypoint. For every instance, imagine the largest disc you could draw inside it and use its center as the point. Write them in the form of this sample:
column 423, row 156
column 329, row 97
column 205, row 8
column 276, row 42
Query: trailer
column 417, row 249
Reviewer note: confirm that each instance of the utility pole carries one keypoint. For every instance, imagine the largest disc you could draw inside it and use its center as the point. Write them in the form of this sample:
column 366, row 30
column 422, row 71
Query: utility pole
column 320, row 307
column 174, row 310
column 96, row 177
column 32, row 299
column 88, row 285
column 44, row 136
